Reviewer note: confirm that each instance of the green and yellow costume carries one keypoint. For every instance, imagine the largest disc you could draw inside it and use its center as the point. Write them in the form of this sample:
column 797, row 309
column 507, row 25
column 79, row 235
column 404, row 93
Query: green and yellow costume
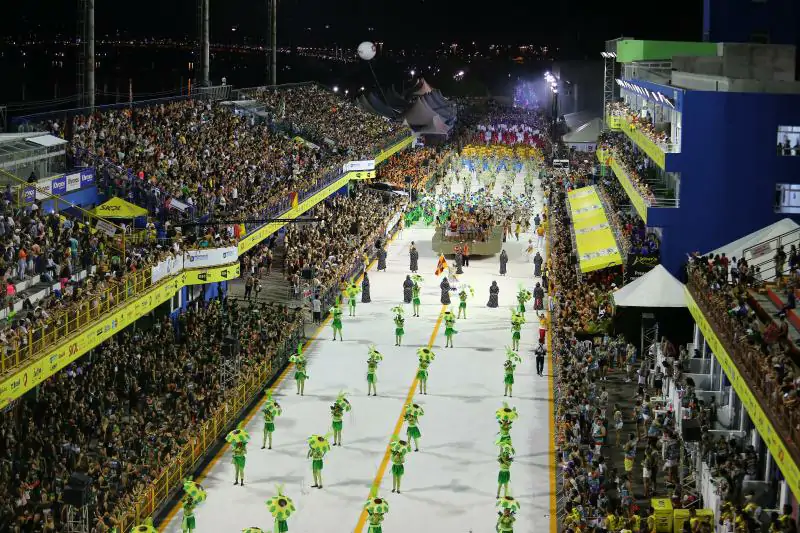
column 399, row 449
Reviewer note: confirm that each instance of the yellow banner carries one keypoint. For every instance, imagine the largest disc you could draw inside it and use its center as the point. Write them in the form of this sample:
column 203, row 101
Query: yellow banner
column 119, row 208
column 780, row 454
column 594, row 238
column 362, row 175
column 638, row 202
column 210, row 275
column 383, row 156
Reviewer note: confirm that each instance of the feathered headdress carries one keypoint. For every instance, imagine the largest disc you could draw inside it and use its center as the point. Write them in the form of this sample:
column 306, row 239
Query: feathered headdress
column 398, row 310
column 374, row 354
column 416, row 278
column 512, row 356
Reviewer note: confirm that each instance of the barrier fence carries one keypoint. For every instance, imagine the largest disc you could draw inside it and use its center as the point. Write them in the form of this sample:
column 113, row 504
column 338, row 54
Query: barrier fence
column 19, row 351
column 185, row 463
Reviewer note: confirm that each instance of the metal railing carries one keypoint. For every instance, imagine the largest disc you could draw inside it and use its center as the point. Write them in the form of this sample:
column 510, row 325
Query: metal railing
column 160, row 491
column 748, row 360
column 62, row 325
column 655, row 150
column 762, row 255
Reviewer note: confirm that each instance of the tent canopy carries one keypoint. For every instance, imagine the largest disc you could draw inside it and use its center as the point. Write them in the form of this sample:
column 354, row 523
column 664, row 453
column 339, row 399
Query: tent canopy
column 420, row 113
column 421, row 88
column 587, row 133
column 119, row 208
column 657, row 288
column 576, row 120
column 737, row 247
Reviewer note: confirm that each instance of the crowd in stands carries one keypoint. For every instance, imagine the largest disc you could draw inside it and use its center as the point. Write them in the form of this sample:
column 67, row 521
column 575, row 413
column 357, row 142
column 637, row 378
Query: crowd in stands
column 418, row 164
column 322, row 255
column 637, row 121
column 632, row 232
column 122, row 414
column 330, row 119
column 633, row 163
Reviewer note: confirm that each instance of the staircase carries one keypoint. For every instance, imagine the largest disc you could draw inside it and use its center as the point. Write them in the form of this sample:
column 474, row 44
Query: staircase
column 762, row 255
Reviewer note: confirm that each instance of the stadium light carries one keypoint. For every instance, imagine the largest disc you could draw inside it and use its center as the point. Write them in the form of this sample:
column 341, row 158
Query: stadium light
column 362, row 87
column 413, row 72
column 336, row 88
column 346, row 91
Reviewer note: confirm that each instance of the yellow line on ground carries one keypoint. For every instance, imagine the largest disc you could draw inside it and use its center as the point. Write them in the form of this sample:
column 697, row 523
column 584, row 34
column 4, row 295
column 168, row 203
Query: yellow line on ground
column 249, row 416
column 362, row 518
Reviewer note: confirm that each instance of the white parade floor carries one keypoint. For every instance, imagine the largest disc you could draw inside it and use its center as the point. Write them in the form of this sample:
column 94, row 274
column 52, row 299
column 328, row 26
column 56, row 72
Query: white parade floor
column 449, row 486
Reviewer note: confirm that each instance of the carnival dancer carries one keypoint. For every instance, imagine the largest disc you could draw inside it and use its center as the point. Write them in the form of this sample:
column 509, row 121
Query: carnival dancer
column 339, row 407
column 459, row 259
column 376, row 508
column 523, row 296
column 281, row 507
column 352, row 292
column 399, row 322
column 512, row 359
column 449, row 328
column 365, row 296
column 415, row 290
column 399, row 448
column 507, row 514
column 505, row 418
column 408, row 285
column 271, row 410
column 503, row 262
column 318, row 446
column 412, row 414
column 504, row 459
column 374, row 358
column 238, row 438
column 445, row 288
column 517, row 320
column 494, row 296
column 462, row 297
column 194, row 494
column 336, row 323
column 300, row 374
column 426, row 356
column 413, row 256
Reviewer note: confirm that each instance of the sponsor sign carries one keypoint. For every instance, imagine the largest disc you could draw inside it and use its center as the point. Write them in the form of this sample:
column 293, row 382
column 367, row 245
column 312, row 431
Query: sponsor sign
column 639, row 265
column 355, row 166
column 73, row 182
column 774, row 441
column 363, row 175
column 29, row 194
column 59, row 186
column 166, row 268
column 87, row 177
column 210, row 275
column 209, row 257
column 106, row 227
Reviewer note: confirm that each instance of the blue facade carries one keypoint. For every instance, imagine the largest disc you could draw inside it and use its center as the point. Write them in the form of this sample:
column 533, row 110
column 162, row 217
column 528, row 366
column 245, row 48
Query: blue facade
column 743, row 21
column 729, row 168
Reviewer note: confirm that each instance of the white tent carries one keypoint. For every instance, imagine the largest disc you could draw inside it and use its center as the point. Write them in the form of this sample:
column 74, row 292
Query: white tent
column 765, row 236
column 657, row 288
column 586, row 133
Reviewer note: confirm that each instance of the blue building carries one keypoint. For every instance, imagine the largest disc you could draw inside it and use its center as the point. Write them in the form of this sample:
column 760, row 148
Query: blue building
column 718, row 124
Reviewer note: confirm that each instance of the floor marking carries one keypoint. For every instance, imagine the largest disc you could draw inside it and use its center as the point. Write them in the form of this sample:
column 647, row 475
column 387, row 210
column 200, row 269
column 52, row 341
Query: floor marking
column 362, row 518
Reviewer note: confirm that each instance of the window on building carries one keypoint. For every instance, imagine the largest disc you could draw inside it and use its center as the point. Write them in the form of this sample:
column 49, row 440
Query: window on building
column 788, row 140
column 759, row 38
column 787, row 198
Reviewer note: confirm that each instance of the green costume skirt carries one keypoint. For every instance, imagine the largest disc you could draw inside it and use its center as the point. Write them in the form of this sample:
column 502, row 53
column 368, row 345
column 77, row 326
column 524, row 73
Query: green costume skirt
column 422, row 375
column 269, row 427
column 448, row 331
column 515, row 335
column 189, row 523
column 282, row 526
column 521, row 308
column 398, row 470
column 462, row 305
column 300, row 376
column 239, row 461
column 316, row 465
column 375, row 529
column 337, row 323
column 415, row 301
column 509, row 379
column 413, row 432
column 399, row 332
column 503, row 477
column 337, row 425
column 371, row 378
column 352, row 302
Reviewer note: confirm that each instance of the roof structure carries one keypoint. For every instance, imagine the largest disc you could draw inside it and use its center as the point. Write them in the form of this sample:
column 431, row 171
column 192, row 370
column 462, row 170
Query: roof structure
column 658, row 288
column 587, row 133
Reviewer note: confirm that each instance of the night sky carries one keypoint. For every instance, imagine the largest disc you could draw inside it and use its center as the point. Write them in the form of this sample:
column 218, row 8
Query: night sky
column 577, row 26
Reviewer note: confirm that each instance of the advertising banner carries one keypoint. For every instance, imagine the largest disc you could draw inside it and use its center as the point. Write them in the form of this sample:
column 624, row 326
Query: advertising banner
column 639, row 265
column 73, row 181
column 209, row 257
column 211, row 275
column 355, row 166
column 166, row 268
column 60, row 185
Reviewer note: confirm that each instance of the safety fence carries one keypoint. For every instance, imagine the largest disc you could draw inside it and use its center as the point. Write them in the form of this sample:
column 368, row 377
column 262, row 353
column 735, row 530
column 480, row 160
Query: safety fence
column 20, row 350
column 207, row 437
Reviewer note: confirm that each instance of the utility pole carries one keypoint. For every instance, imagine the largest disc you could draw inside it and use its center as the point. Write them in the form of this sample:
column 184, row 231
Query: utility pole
column 90, row 63
column 205, row 46
column 273, row 41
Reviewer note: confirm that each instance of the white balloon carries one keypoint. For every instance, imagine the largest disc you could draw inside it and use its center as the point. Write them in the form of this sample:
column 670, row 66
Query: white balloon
column 367, row 50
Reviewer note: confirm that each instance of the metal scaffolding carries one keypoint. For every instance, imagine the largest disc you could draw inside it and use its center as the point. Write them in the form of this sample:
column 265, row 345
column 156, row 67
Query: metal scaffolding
column 77, row 519
column 609, row 63
column 80, row 64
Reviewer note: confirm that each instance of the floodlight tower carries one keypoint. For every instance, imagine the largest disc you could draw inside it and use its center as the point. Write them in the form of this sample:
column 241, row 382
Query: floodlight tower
column 272, row 57
column 84, row 75
column 609, row 62
column 205, row 43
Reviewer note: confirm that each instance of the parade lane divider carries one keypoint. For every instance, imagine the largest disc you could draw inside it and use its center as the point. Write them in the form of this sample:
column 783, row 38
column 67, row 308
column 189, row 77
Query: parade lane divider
column 175, row 507
column 551, row 403
column 376, row 484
